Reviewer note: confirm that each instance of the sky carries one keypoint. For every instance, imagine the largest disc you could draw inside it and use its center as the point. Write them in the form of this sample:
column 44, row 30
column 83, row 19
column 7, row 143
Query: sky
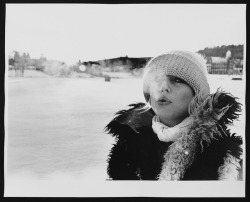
column 73, row 32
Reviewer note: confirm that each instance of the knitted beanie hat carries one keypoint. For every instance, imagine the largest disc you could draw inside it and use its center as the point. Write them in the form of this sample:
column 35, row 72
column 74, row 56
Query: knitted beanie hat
column 188, row 66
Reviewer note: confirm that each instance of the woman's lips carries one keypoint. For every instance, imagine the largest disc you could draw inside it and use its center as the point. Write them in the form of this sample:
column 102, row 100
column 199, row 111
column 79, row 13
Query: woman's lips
column 164, row 100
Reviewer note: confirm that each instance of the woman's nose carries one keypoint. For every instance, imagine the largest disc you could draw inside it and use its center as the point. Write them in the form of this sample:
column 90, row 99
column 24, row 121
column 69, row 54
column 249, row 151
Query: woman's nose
column 165, row 85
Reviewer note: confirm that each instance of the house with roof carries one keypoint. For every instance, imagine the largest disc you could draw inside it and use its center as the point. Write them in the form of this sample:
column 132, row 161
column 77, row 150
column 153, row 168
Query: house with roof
column 224, row 65
column 217, row 65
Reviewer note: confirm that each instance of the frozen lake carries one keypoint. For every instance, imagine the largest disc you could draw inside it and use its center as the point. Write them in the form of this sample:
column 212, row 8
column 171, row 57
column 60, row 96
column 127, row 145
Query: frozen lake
column 55, row 125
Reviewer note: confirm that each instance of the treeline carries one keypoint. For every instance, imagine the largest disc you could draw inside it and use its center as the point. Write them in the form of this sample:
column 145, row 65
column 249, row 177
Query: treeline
column 120, row 62
column 24, row 61
column 127, row 63
column 220, row 51
column 21, row 62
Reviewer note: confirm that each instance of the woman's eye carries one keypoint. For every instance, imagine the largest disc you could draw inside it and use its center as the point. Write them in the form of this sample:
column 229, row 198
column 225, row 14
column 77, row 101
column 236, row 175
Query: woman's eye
column 177, row 80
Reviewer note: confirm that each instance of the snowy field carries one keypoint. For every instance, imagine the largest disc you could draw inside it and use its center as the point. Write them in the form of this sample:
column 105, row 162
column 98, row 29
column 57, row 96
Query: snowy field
column 54, row 130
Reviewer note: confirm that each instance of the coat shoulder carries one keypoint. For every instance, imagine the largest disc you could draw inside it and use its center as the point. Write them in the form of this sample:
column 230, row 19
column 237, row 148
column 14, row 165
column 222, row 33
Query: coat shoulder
column 132, row 119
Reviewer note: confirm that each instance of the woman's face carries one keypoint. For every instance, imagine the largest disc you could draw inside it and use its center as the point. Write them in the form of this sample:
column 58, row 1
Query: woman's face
column 170, row 97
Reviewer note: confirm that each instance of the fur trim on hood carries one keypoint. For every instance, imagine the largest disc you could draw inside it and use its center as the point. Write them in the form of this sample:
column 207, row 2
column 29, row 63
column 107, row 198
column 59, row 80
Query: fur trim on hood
column 208, row 116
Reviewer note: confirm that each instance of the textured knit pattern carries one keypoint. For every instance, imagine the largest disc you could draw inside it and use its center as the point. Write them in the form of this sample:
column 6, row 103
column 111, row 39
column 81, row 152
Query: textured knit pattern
column 190, row 67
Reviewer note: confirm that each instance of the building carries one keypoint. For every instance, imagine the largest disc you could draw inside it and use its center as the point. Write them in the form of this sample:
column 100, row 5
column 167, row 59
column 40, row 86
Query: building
column 226, row 65
column 217, row 65
column 236, row 66
column 209, row 66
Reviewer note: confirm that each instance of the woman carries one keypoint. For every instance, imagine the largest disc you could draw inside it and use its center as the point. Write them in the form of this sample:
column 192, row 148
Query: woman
column 181, row 132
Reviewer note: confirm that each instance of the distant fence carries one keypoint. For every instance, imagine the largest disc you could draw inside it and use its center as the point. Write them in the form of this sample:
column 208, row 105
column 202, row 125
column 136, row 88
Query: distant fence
column 225, row 70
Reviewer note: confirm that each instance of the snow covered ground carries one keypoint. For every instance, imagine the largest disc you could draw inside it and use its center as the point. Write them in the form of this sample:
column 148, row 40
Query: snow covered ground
column 54, row 134
column 29, row 73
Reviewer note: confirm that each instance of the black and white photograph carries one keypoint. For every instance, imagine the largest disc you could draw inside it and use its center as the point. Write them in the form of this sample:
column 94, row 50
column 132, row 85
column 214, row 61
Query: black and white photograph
column 125, row 100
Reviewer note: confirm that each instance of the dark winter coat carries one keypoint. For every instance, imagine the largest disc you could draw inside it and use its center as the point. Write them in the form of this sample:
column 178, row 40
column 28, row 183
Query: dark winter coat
column 138, row 154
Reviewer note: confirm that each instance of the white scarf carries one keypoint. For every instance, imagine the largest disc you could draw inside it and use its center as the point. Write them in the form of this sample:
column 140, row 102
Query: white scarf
column 170, row 134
